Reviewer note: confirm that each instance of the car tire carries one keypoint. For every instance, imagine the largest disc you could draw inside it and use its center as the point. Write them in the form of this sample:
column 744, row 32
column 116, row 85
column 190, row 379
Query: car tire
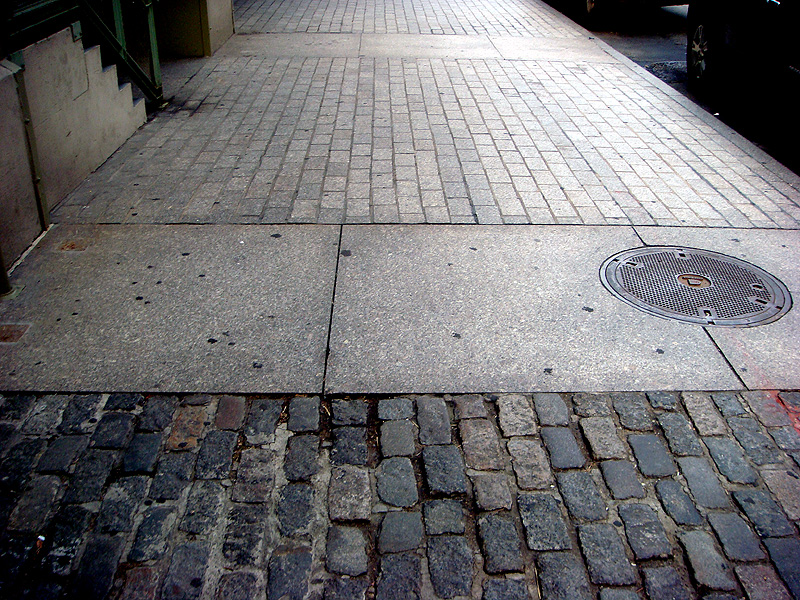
column 702, row 60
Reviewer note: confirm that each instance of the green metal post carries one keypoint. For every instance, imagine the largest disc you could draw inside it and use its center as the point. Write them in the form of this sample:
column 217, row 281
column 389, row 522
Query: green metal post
column 155, row 61
column 5, row 283
column 119, row 27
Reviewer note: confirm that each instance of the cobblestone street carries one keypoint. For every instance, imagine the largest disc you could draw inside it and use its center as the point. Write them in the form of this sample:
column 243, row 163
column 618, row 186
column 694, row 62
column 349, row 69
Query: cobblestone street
column 632, row 495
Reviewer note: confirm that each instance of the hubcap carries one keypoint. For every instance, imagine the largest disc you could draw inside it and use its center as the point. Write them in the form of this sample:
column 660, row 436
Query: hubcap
column 699, row 49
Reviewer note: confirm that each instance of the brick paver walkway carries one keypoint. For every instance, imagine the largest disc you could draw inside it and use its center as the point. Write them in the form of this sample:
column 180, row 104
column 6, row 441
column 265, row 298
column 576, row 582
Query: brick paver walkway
column 558, row 496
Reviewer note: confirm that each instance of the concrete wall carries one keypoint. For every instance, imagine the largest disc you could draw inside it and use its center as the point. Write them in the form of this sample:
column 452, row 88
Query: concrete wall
column 19, row 212
column 193, row 27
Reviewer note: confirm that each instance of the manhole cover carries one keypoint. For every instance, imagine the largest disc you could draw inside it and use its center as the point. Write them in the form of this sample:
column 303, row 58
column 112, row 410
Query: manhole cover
column 695, row 286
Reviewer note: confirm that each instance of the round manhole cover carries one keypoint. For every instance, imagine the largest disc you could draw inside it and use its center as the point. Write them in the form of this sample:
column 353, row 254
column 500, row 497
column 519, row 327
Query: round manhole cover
column 695, row 286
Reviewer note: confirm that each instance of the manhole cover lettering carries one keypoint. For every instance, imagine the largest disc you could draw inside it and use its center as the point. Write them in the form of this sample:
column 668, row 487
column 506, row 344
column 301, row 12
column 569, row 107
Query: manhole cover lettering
column 695, row 286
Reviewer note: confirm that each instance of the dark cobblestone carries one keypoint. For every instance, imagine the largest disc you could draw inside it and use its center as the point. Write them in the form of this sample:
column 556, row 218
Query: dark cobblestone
column 349, row 496
column 400, row 532
column 203, row 507
column 186, row 574
column 433, row 419
column 295, row 510
column 90, row 476
column 581, row 495
column 346, row 551
column 680, row 434
column 738, row 541
column 444, row 470
column 471, row 406
column 605, row 555
column 35, row 507
column 230, row 412
column 342, row 588
column 530, row 463
column 787, row 438
column 709, row 567
column 761, row 582
column 785, row 553
column 304, row 414
column 618, row 594
column 730, row 461
column 239, row 586
column 621, row 479
column 18, row 464
column 197, row 400
column 173, row 476
column 391, row 409
column 500, row 542
column 157, row 414
column 142, row 453
column 113, row 431
column 651, row 455
column 601, row 434
column 633, row 411
column 14, row 553
column 255, row 476
column 301, row 462
column 69, row 528
column 397, row 484
column 46, row 415
column 151, row 537
column 78, row 416
column 677, row 503
column 450, row 564
column 351, row 412
column 646, row 534
column 243, row 544
column 551, row 409
column 262, row 420
column 350, row 446
column 757, row 445
column 480, row 444
column 443, row 516
column 543, row 521
column 15, row 407
column 563, row 577
column 665, row 583
column 127, row 402
column 400, row 577
column 591, row 405
column 728, row 403
column 215, row 458
column 61, row 453
column 8, row 435
column 491, row 490
column 765, row 515
column 703, row 483
column 516, row 416
column 505, row 589
column 95, row 573
column 398, row 438
column 120, row 503
column 663, row 400
column 563, row 448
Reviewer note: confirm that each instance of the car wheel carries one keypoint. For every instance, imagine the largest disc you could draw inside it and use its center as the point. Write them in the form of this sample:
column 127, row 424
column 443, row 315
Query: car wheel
column 701, row 54
column 588, row 11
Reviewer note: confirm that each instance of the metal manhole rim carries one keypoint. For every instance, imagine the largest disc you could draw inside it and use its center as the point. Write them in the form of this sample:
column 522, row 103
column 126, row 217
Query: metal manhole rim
column 768, row 315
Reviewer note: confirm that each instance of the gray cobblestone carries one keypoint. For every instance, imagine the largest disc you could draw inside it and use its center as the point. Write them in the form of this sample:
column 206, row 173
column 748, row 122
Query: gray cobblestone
column 730, row 461
column 563, row 577
column 203, row 507
column 738, row 541
column 470, row 406
column 37, row 504
column 262, row 421
column 15, row 407
column 443, row 516
column 400, row 532
column 450, row 564
column 395, row 409
column 765, row 515
column 551, row 409
column 255, row 476
column 767, row 408
column 784, row 553
column 400, row 577
column 19, row 462
column 601, row 433
column 346, row 551
column 530, row 464
column 682, row 438
column 581, row 495
column 651, row 455
column 239, row 586
column 301, row 462
column 605, row 555
column 646, row 534
column 343, row 588
column 544, row 524
column 113, row 431
column 704, row 414
column 444, row 470
column 349, row 494
column 142, row 453
column 665, row 583
column 396, row 482
column 398, row 438
column 500, row 542
column 434, row 421
column 677, row 504
column 230, row 413
column 709, row 567
column 761, row 582
column 186, row 573
column 618, row 594
column 728, row 403
column 173, row 476
column 61, row 453
column 505, row 589
column 592, row 405
column 491, row 490
column 45, row 416
column 632, row 410
column 69, row 528
column 243, row 544
column 304, row 414
column 757, row 445
column 157, row 414
column 663, row 400
column 90, row 475
column 350, row 446
column 516, row 415
column 151, row 537
column 95, row 574
column 127, row 402
column 295, row 508
column 120, row 503
column 350, row 412
column 563, row 448
column 621, row 479
column 79, row 414
column 215, row 458
column 787, row 438
column 480, row 444
column 703, row 483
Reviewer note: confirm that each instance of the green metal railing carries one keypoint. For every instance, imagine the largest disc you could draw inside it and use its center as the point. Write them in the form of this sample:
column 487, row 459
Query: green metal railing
column 23, row 22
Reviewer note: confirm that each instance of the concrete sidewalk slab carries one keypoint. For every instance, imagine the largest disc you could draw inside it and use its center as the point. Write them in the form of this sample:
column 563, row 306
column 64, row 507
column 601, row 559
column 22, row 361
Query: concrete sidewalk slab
column 173, row 308
column 552, row 49
column 466, row 308
column 765, row 357
column 427, row 46
column 292, row 44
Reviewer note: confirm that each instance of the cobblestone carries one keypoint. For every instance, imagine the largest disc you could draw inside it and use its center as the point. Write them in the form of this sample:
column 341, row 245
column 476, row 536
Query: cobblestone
column 141, row 454
column 703, row 483
column 398, row 438
column 255, row 477
column 350, row 446
column 516, row 415
column 665, row 583
column 563, row 577
column 351, row 412
column 530, row 463
column 505, row 589
column 544, row 524
column 203, row 507
column 301, row 462
column 295, row 508
column 663, row 400
column 173, row 476
column 215, row 458
column 443, row 516
column 244, row 541
column 682, row 439
column 621, row 479
column 304, row 414
column 345, row 589
column 551, row 409
column 757, row 445
column 704, row 414
column 645, row 533
column 151, row 537
column 444, row 470
column 113, row 431
column 35, row 507
column 400, row 577
column 450, row 563
column 79, row 414
column 120, row 503
column 230, row 412
column 563, row 448
column 397, row 484
column 592, row 405
column 581, row 495
column 400, row 532
column 61, row 453
column 651, row 455
column 69, row 528
column 767, row 408
column 90, row 475
column 709, row 567
column 434, row 421
column 764, row 513
column 730, row 460
column 500, row 542
column 480, row 444
column 346, row 551
column 633, row 412
column 601, row 433
column 605, row 555
column 785, row 487
column 738, row 541
column 188, row 425
column 186, row 573
column 157, row 414
column 470, row 406
column 95, row 574
column 761, row 582
column 677, row 504
column 349, row 495
column 262, row 421
column 784, row 553
column 728, row 403
column 787, row 438
column 491, row 490
column 239, row 586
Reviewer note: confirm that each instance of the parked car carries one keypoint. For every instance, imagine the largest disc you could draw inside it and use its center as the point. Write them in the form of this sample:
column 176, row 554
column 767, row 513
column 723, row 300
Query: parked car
column 751, row 43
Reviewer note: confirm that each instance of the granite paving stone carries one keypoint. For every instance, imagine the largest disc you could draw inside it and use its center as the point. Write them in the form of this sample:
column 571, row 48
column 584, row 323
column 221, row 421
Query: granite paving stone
column 491, row 490
column 621, row 479
column 601, row 433
column 470, row 406
column 784, row 553
column 704, row 413
column 680, row 435
column 188, row 425
column 255, row 476
column 244, row 540
column 543, row 521
column 150, row 542
column 203, row 507
column 443, row 516
column 645, row 533
column 433, row 419
column 295, row 508
column 157, row 414
column 581, row 495
column 551, row 409
column 95, row 573
column 215, row 458
column 400, row 531
column 79, row 414
column 500, row 542
column 764, row 513
column 665, row 583
column 785, row 487
column 663, row 400
column 186, row 572
column 767, row 408
column 605, row 555
column 481, row 444
column 262, row 421
column 119, row 504
column 141, row 454
column 738, row 541
column 344, row 588
column 709, row 567
column 396, row 482
column 231, row 411
column 70, row 526
column 530, row 463
column 563, row 448
column 563, row 577
column 346, row 551
column 728, row 403
column 349, row 495
column 239, row 585
column 633, row 411
column 450, row 563
column 90, row 475
column 301, row 462
column 516, row 416
column 400, row 577
column 61, row 453
column 703, row 482
column 786, row 437
column 677, row 503
column 591, row 405
column 761, row 582
column 398, row 438
column 505, row 589
column 173, row 475
column 113, row 431
column 730, row 460
column 757, row 445
column 46, row 415
column 350, row 446
column 36, row 506
column 304, row 414
column 350, row 412
column 444, row 470
column 618, row 594
column 651, row 455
